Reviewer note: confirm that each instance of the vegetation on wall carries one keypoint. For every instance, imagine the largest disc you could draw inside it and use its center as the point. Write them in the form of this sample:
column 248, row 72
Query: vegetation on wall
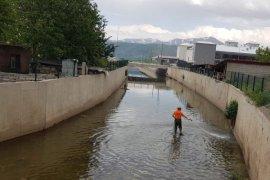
column 55, row 29
column 231, row 111
column 263, row 54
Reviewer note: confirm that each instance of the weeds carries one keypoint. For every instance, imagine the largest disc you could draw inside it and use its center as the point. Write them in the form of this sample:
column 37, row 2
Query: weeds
column 231, row 111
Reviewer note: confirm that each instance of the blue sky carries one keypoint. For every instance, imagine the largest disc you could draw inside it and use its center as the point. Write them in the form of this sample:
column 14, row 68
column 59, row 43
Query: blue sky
column 241, row 20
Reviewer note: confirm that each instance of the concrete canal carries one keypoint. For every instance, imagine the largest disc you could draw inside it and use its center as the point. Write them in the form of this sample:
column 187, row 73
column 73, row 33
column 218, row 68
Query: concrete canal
column 130, row 136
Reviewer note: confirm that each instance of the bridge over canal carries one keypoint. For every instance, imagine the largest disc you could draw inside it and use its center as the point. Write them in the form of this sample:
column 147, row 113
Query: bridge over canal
column 147, row 72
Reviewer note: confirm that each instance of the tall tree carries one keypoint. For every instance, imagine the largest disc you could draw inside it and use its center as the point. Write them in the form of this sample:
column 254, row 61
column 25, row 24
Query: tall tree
column 57, row 29
column 7, row 21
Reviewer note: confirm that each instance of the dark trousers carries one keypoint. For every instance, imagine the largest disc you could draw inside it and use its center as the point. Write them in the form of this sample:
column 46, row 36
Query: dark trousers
column 177, row 123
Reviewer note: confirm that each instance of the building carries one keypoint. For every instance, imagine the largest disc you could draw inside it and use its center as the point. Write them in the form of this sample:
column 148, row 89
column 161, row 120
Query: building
column 70, row 67
column 202, row 53
column 252, row 45
column 224, row 52
column 14, row 59
column 184, row 52
column 231, row 43
column 254, row 68
column 197, row 53
column 165, row 59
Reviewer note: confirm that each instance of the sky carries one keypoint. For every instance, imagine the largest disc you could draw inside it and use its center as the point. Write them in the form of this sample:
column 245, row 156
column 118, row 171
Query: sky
column 238, row 20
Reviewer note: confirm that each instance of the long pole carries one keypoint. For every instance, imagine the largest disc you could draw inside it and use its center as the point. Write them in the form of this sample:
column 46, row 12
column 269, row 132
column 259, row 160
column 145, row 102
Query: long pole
column 161, row 52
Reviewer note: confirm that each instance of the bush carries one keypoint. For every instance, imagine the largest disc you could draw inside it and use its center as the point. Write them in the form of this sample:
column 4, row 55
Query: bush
column 102, row 63
column 231, row 111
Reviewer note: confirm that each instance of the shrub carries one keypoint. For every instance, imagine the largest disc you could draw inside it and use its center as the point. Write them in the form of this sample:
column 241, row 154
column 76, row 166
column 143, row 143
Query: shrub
column 231, row 111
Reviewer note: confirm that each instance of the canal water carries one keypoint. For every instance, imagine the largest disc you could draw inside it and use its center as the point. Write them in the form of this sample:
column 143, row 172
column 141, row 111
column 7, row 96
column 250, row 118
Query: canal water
column 130, row 136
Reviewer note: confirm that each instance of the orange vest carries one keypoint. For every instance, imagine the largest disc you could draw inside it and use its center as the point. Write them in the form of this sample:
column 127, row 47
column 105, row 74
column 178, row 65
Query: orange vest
column 177, row 114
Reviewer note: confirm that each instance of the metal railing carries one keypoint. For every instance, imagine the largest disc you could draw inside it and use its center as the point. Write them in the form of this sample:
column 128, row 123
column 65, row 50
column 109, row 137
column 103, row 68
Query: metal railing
column 248, row 82
column 112, row 65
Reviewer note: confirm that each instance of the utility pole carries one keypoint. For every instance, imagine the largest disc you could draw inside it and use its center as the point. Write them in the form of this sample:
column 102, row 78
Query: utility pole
column 161, row 52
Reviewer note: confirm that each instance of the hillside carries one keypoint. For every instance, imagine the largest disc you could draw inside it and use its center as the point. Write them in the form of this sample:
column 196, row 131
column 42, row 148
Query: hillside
column 135, row 49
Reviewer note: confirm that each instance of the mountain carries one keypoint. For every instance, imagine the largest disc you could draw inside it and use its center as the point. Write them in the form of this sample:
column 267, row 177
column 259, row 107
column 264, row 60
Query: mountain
column 173, row 41
column 135, row 49
column 193, row 40
column 142, row 41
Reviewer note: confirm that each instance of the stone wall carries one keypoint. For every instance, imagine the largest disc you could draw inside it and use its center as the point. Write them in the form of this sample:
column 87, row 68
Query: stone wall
column 27, row 107
column 252, row 128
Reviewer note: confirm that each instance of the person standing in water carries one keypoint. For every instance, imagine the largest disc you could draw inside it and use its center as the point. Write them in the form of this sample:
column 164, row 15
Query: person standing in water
column 177, row 115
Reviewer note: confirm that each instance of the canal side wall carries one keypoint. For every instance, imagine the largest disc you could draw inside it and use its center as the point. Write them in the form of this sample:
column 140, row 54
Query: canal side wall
column 27, row 107
column 252, row 128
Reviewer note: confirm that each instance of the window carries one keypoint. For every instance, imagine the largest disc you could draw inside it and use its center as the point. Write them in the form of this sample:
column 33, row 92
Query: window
column 15, row 62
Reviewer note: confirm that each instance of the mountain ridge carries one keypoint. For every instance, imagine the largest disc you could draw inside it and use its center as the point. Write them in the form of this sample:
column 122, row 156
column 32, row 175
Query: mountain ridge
column 176, row 41
column 137, row 49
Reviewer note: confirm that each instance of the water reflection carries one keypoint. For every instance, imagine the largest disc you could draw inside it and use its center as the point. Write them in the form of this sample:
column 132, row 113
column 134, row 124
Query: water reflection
column 206, row 111
column 135, row 72
column 174, row 153
column 62, row 152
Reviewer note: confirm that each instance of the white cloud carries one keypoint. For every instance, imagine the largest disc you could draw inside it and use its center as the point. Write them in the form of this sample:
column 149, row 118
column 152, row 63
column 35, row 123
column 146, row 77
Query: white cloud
column 241, row 20
column 260, row 35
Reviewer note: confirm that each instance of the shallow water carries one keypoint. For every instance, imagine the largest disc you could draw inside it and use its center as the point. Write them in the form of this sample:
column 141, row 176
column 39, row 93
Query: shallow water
column 130, row 136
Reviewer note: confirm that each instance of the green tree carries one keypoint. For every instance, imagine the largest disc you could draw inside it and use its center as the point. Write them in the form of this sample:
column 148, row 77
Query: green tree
column 263, row 54
column 8, row 20
column 58, row 29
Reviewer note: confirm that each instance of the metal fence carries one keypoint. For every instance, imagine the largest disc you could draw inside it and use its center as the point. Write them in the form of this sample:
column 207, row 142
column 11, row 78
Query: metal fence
column 248, row 82
column 237, row 79
column 204, row 71
column 112, row 65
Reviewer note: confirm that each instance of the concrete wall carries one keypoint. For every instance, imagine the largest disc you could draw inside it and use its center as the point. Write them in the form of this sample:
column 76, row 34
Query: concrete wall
column 252, row 128
column 27, row 107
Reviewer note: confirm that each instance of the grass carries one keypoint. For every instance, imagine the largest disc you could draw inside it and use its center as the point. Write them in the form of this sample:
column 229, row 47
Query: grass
column 260, row 98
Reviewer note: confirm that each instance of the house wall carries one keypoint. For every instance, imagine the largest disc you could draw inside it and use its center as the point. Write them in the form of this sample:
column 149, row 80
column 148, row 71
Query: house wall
column 251, row 69
column 252, row 128
column 6, row 51
column 204, row 53
column 27, row 107
column 181, row 52
column 189, row 56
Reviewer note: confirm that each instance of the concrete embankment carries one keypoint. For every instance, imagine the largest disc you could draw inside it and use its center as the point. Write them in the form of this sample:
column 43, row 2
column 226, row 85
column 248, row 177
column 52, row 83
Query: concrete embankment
column 27, row 107
column 252, row 128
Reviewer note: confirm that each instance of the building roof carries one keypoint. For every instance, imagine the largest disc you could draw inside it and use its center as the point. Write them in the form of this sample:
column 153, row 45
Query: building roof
column 205, row 42
column 12, row 46
column 247, row 62
column 186, row 44
column 167, row 57
column 237, row 50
